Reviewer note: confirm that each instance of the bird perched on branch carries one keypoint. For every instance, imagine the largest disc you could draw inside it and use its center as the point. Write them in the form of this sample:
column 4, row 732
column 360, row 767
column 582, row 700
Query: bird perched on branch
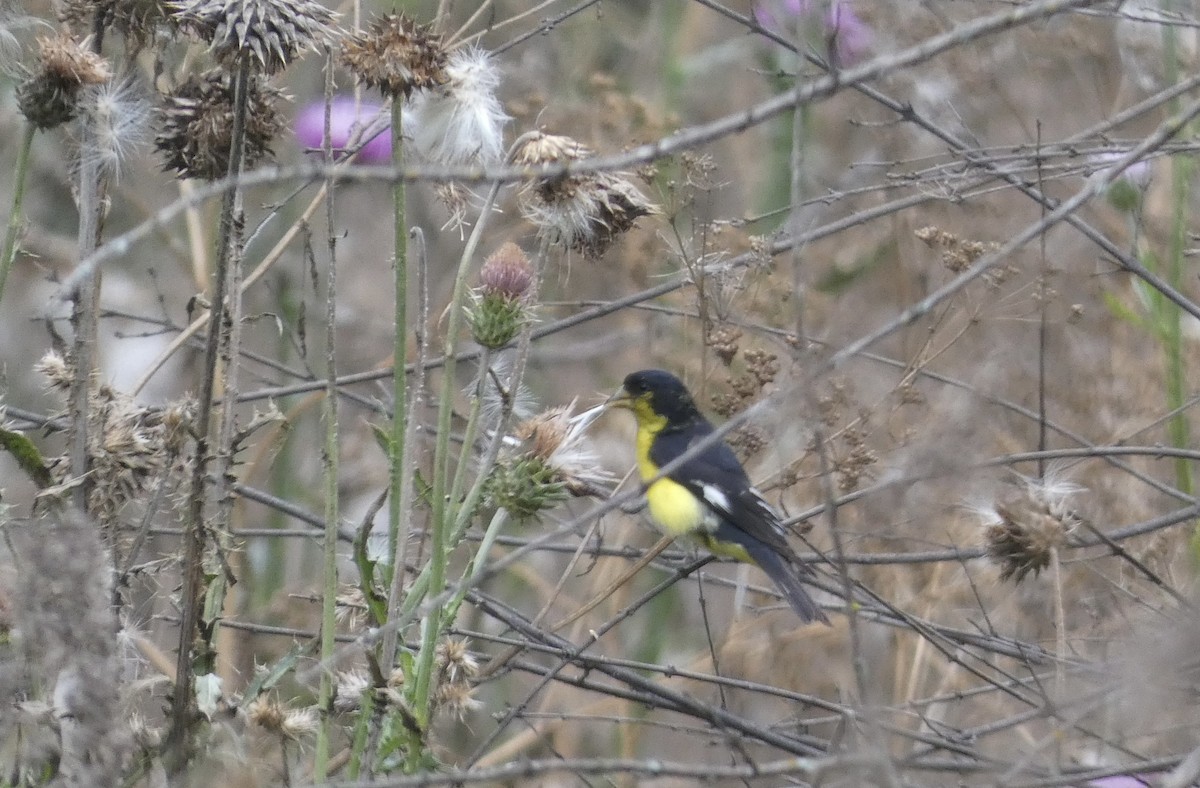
column 708, row 497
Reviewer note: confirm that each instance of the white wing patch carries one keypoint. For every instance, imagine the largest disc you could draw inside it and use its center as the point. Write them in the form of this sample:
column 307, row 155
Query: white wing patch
column 716, row 498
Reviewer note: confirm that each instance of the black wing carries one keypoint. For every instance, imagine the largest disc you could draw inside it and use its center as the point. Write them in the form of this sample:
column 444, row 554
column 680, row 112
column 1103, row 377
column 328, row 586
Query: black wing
column 716, row 477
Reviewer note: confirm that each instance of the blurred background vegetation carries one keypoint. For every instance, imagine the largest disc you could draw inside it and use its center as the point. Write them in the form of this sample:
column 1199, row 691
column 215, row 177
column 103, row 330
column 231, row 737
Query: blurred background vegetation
column 995, row 489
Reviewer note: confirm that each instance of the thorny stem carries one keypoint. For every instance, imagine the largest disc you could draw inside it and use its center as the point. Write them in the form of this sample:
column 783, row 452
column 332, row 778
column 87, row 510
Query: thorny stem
column 178, row 739
column 84, row 314
column 9, row 252
column 400, row 341
column 441, row 512
column 331, row 457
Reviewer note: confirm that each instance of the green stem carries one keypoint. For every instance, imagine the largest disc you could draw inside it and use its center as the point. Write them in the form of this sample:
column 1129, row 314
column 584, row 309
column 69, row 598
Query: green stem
column 9, row 254
column 400, row 339
column 442, row 511
column 332, row 513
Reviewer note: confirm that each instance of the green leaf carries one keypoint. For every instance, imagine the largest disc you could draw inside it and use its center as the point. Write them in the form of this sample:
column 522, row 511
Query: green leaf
column 267, row 679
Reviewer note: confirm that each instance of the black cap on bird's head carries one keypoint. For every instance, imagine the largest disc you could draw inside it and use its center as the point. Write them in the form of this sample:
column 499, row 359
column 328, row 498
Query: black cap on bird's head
column 664, row 393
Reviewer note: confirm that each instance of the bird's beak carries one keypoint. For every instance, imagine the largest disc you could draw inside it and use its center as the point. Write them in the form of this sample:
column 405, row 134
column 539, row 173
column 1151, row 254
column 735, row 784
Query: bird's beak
column 619, row 399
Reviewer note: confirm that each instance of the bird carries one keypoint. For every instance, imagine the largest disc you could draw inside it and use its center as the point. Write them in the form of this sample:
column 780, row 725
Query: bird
column 709, row 497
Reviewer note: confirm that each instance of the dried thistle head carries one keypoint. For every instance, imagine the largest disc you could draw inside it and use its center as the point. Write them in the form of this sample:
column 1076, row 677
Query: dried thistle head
column 58, row 372
column 1023, row 532
column 461, row 121
column 49, row 97
column 198, row 125
column 457, row 700
column 396, row 55
column 585, row 212
column 455, row 661
column 272, row 32
column 271, row 715
column 349, row 686
column 120, row 120
column 137, row 20
column 557, row 439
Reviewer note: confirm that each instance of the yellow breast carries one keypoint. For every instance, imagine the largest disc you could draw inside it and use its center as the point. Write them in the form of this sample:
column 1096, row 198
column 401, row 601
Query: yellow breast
column 675, row 510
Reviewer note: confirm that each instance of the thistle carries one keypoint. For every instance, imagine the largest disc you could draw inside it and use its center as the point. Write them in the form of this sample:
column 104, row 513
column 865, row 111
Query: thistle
column 461, row 121
column 397, row 56
column 198, row 125
column 50, row 97
column 586, row 212
column 500, row 306
column 1023, row 532
column 272, row 32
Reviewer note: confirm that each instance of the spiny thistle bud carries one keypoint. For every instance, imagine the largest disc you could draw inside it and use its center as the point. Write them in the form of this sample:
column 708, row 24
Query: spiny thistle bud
column 50, row 97
column 500, row 308
column 461, row 121
column 198, row 125
column 1023, row 532
column 270, row 31
column 525, row 486
column 397, row 56
column 586, row 212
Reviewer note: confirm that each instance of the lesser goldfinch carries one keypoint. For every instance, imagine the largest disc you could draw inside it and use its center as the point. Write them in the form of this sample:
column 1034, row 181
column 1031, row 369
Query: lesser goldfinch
column 709, row 497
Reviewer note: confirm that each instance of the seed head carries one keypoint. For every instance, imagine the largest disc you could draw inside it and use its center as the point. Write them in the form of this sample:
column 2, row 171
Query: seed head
column 349, row 687
column 457, row 699
column 558, row 440
column 1023, row 532
column 461, row 121
column 119, row 115
column 455, row 661
column 397, row 56
column 58, row 373
column 270, row 31
column 198, row 125
column 50, row 96
column 586, row 212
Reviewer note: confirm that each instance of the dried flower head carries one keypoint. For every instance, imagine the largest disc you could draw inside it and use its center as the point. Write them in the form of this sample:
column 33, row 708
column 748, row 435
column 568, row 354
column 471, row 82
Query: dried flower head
column 1023, row 532
column 49, row 97
column 455, row 661
column 461, row 121
column 349, row 686
column 457, row 699
column 350, row 606
column 270, row 31
column 58, row 373
column 130, row 446
column 119, row 113
column 265, row 712
column 198, row 125
column 558, row 440
column 397, row 56
column 586, row 212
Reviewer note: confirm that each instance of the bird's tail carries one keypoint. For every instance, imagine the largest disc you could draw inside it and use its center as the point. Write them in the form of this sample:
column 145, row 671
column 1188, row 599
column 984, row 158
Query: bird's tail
column 786, row 577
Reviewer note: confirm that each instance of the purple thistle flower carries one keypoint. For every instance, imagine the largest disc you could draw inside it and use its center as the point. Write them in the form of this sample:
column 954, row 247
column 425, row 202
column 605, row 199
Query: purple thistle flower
column 847, row 36
column 310, row 128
